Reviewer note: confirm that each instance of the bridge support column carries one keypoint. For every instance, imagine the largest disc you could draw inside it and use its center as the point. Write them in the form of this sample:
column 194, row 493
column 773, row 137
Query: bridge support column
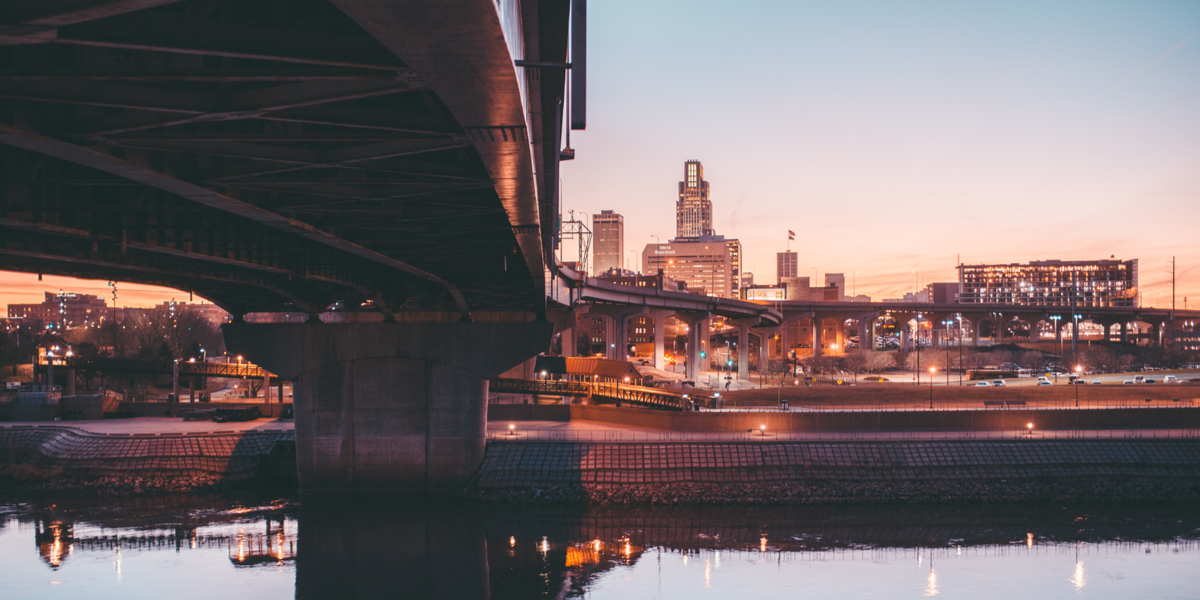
column 388, row 407
column 743, row 328
column 818, row 325
column 70, row 382
column 975, row 332
column 1124, row 332
column 866, row 331
column 697, row 324
column 618, row 345
column 765, row 339
column 660, row 328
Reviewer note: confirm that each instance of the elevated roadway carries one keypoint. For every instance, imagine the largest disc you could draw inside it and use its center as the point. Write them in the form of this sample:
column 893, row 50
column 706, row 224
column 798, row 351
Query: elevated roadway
column 832, row 315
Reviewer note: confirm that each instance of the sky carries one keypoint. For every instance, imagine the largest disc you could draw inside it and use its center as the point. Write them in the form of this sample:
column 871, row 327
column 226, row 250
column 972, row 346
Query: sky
column 897, row 137
column 893, row 138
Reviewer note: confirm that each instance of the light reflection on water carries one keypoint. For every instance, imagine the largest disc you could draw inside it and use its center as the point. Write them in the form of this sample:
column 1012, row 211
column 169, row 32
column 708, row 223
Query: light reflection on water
column 383, row 547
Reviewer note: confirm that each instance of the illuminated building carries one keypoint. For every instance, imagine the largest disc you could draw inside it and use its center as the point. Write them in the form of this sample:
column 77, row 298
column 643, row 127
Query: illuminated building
column 693, row 210
column 608, row 233
column 63, row 309
column 702, row 264
column 1051, row 283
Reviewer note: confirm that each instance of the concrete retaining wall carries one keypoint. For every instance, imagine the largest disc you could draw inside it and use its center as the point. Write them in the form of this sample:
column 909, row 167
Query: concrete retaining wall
column 958, row 420
column 546, row 464
column 231, row 455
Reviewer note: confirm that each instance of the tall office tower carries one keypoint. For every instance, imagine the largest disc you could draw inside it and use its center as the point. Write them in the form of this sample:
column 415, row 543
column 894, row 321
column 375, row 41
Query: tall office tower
column 693, row 210
column 747, row 279
column 786, row 265
column 839, row 280
column 735, row 267
column 608, row 231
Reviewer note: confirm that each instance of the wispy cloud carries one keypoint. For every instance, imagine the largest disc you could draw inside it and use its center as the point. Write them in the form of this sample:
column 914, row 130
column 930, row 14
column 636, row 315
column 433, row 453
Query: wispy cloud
column 1143, row 68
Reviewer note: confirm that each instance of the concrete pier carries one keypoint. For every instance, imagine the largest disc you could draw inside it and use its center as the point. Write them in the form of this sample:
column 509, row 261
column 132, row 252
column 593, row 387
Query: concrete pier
column 388, row 407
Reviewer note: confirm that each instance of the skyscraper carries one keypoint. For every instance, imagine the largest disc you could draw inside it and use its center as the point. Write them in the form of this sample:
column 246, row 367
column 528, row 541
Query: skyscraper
column 693, row 210
column 786, row 265
column 608, row 231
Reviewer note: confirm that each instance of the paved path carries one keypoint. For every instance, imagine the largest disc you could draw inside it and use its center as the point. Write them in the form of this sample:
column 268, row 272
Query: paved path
column 152, row 425
column 578, row 431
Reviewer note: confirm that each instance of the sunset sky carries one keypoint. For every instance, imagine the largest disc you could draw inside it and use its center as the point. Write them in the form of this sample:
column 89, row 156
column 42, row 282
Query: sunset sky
column 892, row 137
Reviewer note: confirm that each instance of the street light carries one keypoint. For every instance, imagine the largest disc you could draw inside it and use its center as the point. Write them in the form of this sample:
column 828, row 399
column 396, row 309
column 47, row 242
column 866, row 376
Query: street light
column 1079, row 370
column 932, row 370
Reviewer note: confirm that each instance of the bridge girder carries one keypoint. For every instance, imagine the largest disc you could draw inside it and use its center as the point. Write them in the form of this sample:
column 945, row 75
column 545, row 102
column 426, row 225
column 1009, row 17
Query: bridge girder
column 288, row 158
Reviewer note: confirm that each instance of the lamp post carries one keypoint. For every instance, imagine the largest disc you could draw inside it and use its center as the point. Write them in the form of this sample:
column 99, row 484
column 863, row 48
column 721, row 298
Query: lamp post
column 932, row 370
column 1079, row 371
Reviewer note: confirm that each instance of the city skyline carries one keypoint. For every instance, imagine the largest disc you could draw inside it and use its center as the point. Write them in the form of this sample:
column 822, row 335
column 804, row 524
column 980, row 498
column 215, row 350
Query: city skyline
column 896, row 143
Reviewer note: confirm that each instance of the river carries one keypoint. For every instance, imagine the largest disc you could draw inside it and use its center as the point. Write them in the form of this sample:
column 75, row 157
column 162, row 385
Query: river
column 258, row 548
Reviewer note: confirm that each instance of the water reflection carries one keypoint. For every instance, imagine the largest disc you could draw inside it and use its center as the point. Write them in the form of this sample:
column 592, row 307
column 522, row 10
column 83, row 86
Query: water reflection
column 387, row 547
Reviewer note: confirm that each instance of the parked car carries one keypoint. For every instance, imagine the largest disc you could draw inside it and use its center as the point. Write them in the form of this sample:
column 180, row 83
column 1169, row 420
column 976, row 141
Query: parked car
column 1151, row 381
column 998, row 383
column 1044, row 382
column 982, row 384
column 1097, row 382
column 1170, row 379
column 1128, row 382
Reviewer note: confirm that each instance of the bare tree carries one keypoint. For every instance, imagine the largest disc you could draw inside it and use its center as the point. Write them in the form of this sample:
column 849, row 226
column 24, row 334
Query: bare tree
column 878, row 361
column 854, row 362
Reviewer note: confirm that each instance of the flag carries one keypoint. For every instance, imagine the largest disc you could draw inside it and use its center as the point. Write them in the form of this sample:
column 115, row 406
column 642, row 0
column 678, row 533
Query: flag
column 791, row 234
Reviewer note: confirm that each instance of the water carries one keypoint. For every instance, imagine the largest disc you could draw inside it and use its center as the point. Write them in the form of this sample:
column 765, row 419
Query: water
column 380, row 547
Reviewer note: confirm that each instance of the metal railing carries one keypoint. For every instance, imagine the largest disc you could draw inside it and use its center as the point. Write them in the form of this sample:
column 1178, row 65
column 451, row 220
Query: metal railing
column 757, row 435
column 613, row 392
column 242, row 370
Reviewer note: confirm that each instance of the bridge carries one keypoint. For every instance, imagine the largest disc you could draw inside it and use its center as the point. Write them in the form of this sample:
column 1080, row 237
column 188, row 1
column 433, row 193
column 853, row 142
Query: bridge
column 394, row 162
column 613, row 392
column 832, row 317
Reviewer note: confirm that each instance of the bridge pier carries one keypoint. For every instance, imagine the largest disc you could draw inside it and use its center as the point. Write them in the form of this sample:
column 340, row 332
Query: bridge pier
column 697, row 324
column 660, row 328
column 388, row 407
column 1124, row 332
column 743, row 328
column 618, row 347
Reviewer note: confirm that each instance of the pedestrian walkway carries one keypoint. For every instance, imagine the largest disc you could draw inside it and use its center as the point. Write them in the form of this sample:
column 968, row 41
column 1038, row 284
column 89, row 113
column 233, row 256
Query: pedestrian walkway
column 592, row 431
column 159, row 425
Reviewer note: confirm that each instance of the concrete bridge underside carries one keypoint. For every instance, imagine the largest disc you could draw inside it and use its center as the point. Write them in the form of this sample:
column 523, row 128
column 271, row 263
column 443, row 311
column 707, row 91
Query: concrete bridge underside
column 385, row 160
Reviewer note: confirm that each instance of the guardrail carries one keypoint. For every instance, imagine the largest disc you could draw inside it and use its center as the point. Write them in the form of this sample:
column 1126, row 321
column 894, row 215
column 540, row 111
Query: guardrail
column 202, row 369
column 613, row 435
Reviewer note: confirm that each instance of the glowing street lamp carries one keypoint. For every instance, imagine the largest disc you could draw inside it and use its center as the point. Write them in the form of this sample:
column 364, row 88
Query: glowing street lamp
column 932, row 370
column 1078, row 374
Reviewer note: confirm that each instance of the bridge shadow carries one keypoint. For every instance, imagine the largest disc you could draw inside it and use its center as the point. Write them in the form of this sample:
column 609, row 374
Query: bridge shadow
column 390, row 547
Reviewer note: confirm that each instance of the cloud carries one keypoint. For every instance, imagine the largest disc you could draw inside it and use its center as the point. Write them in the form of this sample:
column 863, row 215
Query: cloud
column 1170, row 51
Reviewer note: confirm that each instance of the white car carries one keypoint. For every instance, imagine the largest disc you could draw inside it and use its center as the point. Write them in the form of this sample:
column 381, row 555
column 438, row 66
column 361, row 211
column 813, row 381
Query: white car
column 999, row 383
column 982, row 384
column 1044, row 382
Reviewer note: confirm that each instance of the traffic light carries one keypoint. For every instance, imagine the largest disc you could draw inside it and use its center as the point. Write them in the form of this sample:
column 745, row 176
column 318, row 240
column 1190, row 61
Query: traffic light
column 729, row 362
column 703, row 354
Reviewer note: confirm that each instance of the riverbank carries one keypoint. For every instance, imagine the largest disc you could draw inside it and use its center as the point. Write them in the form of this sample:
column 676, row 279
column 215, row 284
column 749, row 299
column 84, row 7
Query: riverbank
column 42, row 458
column 826, row 493
column 842, row 472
